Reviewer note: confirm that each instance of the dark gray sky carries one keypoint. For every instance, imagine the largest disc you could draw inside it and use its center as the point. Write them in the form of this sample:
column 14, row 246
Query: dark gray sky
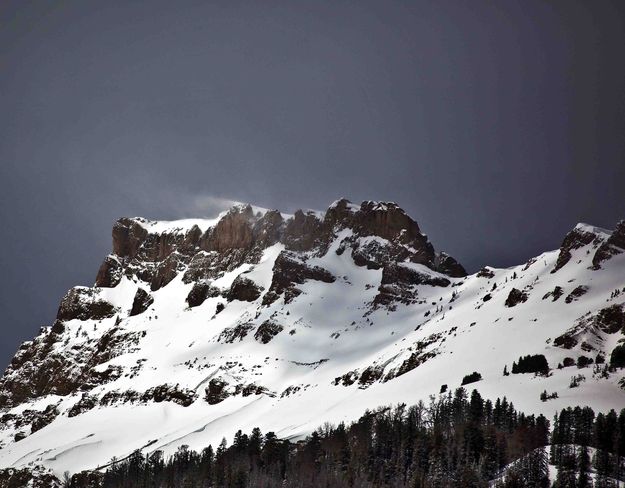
column 496, row 124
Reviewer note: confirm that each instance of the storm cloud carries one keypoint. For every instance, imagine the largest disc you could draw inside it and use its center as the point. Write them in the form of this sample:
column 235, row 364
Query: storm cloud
column 496, row 125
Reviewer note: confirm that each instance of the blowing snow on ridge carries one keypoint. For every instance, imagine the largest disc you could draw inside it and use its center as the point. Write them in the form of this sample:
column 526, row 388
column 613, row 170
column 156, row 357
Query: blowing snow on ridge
column 197, row 328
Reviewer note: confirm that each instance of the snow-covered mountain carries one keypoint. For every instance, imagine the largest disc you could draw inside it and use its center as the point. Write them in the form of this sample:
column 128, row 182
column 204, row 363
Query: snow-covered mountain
column 197, row 328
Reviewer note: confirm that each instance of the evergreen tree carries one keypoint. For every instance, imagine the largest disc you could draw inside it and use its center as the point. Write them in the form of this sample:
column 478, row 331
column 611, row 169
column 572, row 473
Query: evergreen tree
column 583, row 480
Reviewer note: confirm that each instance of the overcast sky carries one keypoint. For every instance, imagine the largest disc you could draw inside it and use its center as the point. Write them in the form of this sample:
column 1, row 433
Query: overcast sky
column 496, row 124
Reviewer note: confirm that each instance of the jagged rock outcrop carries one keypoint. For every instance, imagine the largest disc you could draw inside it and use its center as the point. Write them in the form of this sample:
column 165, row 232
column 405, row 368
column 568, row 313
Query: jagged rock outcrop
column 141, row 302
column 289, row 271
column 216, row 391
column 86, row 403
column 578, row 237
column 485, row 272
column 390, row 222
column 170, row 393
column 422, row 352
column 267, row 331
column 41, row 367
column 577, row 292
column 29, row 421
column 588, row 329
column 382, row 233
column 110, row 273
column 611, row 319
column 244, row 289
column 555, row 294
column 515, row 297
column 236, row 333
column 203, row 266
column 43, row 418
column 398, row 284
column 448, row 265
column 246, row 390
column 219, row 389
column 200, row 292
column 614, row 245
column 34, row 371
column 84, row 304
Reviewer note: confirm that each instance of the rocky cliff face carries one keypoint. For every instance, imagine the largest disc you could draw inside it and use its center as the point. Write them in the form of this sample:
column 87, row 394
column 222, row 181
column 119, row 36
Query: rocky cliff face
column 257, row 318
column 613, row 246
column 240, row 236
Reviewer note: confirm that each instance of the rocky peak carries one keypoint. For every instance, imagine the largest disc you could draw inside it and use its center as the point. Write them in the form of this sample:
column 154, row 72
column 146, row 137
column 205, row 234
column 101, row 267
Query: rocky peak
column 340, row 213
column 388, row 221
column 383, row 219
column 582, row 235
column 382, row 233
column 605, row 244
column 615, row 244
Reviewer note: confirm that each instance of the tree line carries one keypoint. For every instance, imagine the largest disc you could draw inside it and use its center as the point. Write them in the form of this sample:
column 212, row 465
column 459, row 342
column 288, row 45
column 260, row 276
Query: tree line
column 456, row 440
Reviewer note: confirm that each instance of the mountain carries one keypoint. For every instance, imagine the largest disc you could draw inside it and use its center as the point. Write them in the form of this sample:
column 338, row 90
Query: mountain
column 197, row 328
